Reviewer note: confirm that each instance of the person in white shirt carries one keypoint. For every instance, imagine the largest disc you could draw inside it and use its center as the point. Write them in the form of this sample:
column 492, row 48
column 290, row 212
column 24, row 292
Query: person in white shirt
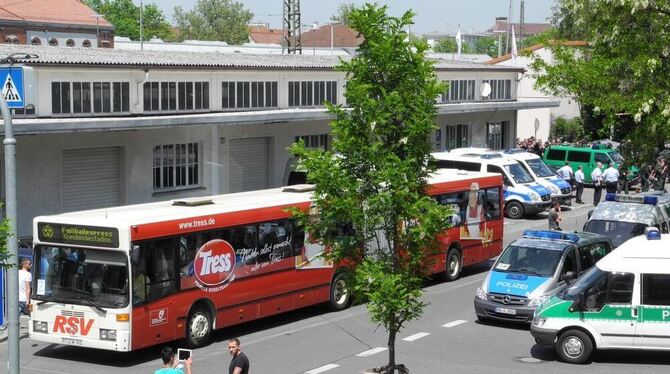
column 579, row 182
column 24, row 286
column 597, row 178
column 565, row 172
column 611, row 178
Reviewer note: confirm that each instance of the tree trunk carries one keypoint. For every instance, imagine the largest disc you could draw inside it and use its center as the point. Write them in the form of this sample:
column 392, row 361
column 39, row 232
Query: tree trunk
column 391, row 345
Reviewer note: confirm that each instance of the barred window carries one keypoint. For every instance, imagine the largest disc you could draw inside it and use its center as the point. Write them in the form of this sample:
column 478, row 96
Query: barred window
column 176, row 166
column 459, row 90
column 176, row 96
column 501, row 89
column 315, row 141
column 257, row 94
column 311, row 93
column 90, row 97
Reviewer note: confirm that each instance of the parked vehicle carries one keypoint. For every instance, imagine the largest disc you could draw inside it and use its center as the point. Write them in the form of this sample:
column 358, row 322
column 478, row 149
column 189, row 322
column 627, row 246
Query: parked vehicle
column 534, row 267
column 543, row 174
column 623, row 302
column 587, row 157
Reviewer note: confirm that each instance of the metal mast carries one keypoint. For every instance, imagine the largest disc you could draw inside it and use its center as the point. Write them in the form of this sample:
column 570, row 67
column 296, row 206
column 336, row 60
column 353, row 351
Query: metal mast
column 291, row 32
column 522, row 22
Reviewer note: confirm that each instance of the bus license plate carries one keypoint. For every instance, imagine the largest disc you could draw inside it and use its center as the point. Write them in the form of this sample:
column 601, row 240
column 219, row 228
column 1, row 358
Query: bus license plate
column 506, row 311
column 71, row 341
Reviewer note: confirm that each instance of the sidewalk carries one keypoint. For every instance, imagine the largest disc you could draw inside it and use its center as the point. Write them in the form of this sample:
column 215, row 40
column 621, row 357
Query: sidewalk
column 23, row 329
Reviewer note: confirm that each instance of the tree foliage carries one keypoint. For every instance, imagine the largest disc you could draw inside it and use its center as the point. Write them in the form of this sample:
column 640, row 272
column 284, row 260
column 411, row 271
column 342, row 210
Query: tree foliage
column 375, row 182
column 343, row 13
column 222, row 20
column 125, row 16
column 6, row 260
column 619, row 74
column 448, row 45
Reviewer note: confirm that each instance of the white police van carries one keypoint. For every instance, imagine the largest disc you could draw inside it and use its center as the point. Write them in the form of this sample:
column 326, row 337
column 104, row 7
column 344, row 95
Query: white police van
column 533, row 267
column 523, row 196
column 543, row 174
column 621, row 217
column 622, row 302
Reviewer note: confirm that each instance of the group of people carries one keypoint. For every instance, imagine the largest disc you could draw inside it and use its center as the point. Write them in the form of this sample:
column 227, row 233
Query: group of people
column 239, row 364
column 653, row 176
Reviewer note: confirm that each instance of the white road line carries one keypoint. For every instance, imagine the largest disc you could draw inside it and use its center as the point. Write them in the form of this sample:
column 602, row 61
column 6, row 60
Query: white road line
column 322, row 369
column 454, row 323
column 416, row 336
column 371, row 352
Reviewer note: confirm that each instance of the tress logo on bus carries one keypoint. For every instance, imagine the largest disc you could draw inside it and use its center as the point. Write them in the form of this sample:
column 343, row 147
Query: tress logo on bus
column 72, row 325
column 214, row 264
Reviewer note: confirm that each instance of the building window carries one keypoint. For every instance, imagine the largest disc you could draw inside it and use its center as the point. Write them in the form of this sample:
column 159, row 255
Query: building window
column 70, row 43
column 248, row 95
column 501, row 89
column 86, row 43
column 311, row 93
column 457, row 136
column 35, row 41
column 459, row 90
column 201, row 95
column 320, row 141
column 173, row 96
column 495, row 134
column 60, row 97
column 90, row 97
column 150, row 92
column 121, row 98
column 168, row 96
column 53, row 42
column 81, row 95
column 176, row 166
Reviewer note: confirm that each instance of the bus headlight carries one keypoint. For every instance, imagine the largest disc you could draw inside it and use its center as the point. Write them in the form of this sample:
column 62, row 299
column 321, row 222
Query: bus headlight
column 538, row 300
column 39, row 326
column 539, row 321
column 107, row 334
column 481, row 294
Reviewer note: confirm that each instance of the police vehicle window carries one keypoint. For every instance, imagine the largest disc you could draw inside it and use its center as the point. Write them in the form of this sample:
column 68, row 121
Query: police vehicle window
column 620, row 288
column 456, row 202
column 601, row 157
column 556, row 154
column 579, row 156
column 664, row 227
column 616, row 157
column 570, row 263
column 496, row 169
column 586, row 259
column 493, row 203
column 656, row 289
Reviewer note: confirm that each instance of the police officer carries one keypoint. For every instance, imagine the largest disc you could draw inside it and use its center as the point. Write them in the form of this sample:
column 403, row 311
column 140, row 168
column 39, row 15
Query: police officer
column 597, row 178
column 645, row 172
column 611, row 178
column 579, row 182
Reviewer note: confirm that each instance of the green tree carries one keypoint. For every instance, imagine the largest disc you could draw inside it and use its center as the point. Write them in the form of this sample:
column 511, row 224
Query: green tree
column 343, row 12
column 125, row 16
column 618, row 73
column 223, row 20
column 375, row 182
column 448, row 45
column 5, row 258
column 487, row 46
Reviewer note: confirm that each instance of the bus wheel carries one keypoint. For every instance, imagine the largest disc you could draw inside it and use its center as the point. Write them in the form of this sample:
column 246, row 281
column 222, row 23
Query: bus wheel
column 199, row 328
column 514, row 210
column 340, row 294
column 574, row 347
column 454, row 265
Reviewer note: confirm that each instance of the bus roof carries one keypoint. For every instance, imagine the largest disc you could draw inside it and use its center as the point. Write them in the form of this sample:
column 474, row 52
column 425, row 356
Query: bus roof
column 187, row 208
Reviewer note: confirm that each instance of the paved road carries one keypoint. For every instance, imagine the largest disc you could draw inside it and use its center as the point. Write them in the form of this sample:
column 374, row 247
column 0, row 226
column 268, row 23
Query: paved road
column 445, row 339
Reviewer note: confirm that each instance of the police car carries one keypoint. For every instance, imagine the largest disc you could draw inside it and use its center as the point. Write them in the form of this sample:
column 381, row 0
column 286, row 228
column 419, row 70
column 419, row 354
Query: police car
column 622, row 302
column 533, row 267
column 621, row 217
column 543, row 174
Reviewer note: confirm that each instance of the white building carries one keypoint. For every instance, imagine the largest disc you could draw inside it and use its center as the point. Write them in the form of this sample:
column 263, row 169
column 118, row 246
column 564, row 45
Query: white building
column 113, row 127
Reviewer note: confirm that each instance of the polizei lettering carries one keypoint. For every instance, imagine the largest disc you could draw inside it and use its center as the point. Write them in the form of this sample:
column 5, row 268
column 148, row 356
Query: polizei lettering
column 215, row 264
column 517, row 285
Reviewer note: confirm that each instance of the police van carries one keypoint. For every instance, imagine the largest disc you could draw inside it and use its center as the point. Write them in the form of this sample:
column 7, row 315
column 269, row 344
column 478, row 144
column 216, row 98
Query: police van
column 623, row 302
column 523, row 196
column 543, row 174
column 533, row 267
column 621, row 217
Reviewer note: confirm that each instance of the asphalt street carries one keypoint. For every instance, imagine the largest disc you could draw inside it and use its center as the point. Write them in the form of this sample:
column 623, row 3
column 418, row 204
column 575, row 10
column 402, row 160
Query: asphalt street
column 447, row 339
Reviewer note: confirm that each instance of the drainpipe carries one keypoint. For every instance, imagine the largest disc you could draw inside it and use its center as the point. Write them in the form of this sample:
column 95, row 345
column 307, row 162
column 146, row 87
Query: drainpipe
column 139, row 88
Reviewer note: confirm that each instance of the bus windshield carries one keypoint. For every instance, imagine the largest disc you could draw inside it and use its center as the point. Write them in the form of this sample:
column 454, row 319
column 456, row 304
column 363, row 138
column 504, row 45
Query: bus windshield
column 618, row 231
column 519, row 174
column 532, row 261
column 91, row 277
column 540, row 168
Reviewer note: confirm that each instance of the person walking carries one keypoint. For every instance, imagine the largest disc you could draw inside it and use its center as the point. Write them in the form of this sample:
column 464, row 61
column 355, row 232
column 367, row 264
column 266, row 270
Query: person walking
column 554, row 217
column 239, row 364
column 597, row 178
column 25, row 278
column 170, row 364
column 579, row 182
column 611, row 178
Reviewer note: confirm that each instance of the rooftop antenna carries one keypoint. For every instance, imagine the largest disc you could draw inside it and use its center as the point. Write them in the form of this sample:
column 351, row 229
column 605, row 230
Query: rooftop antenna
column 292, row 32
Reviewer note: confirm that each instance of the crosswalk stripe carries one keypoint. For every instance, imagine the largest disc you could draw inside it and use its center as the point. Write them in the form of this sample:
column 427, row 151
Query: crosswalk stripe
column 454, row 323
column 321, row 369
column 414, row 337
column 371, row 352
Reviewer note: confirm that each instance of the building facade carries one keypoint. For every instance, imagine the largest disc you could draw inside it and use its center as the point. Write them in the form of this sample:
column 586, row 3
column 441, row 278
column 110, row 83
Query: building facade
column 114, row 127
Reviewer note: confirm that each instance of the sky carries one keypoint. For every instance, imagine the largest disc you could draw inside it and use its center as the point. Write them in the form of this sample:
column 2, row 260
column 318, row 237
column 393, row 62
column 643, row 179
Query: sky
column 442, row 16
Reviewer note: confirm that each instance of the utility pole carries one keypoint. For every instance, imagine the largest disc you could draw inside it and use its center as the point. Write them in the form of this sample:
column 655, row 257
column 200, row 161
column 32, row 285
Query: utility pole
column 509, row 25
column 292, row 31
column 522, row 21
column 141, row 26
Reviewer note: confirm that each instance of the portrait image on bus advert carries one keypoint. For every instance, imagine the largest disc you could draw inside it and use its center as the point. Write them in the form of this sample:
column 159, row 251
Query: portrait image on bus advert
column 472, row 214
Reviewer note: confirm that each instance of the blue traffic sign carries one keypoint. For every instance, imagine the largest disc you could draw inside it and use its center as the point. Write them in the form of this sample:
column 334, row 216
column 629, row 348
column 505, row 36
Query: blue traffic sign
column 13, row 86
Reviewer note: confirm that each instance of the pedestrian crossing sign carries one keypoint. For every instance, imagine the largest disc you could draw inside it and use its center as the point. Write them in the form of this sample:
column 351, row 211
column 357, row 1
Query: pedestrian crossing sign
column 12, row 79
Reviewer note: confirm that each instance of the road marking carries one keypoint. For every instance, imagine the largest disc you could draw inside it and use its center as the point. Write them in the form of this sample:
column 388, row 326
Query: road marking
column 321, row 369
column 416, row 336
column 371, row 352
column 454, row 323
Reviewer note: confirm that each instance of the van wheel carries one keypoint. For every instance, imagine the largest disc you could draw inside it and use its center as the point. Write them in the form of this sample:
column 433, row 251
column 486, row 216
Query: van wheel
column 199, row 328
column 514, row 210
column 454, row 265
column 574, row 347
column 340, row 294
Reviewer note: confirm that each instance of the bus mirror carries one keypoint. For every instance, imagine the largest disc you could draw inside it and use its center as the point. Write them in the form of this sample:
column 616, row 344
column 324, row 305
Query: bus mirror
column 578, row 304
column 135, row 255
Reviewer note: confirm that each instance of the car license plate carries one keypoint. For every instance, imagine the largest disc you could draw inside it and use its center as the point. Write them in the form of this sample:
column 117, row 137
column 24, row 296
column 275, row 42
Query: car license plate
column 506, row 311
column 71, row 341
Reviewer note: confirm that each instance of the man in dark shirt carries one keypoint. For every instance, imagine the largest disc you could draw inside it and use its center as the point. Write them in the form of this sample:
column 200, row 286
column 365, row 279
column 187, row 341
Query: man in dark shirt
column 555, row 216
column 239, row 364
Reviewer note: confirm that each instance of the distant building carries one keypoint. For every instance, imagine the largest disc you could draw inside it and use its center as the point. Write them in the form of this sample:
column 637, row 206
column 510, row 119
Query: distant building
column 65, row 23
column 261, row 33
column 529, row 29
column 336, row 35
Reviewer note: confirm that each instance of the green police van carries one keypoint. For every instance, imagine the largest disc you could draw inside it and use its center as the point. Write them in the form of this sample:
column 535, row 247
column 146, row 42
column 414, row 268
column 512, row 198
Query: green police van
column 587, row 157
column 623, row 302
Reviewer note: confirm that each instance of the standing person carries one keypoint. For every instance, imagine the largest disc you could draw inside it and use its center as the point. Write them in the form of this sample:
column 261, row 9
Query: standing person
column 645, row 173
column 566, row 173
column 169, row 363
column 611, row 178
column 239, row 364
column 597, row 178
column 579, row 182
column 661, row 174
column 24, row 286
column 555, row 217
column 623, row 178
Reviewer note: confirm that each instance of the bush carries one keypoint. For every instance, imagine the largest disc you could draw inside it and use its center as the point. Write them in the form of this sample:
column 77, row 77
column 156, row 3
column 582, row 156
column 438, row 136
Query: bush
column 569, row 130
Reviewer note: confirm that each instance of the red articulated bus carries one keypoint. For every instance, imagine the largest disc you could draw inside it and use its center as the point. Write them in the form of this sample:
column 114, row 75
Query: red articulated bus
column 130, row 277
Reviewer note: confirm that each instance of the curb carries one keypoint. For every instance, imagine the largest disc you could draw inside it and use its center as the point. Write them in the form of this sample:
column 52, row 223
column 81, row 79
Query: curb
column 4, row 336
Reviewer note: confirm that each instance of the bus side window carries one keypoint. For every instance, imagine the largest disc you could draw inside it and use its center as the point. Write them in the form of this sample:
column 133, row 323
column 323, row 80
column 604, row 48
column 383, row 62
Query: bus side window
column 493, row 203
column 160, row 261
column 297, row 239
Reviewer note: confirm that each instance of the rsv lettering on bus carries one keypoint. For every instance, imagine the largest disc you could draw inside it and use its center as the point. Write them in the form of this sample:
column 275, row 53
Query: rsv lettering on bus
column 215, row 264
column 72, row 325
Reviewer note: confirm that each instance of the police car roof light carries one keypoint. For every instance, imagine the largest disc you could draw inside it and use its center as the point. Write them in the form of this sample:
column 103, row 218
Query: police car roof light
column 610, row 197
column 652, row 233
column 652, row 200
column 514, row 150
column 490, row 155
column 551, row 235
